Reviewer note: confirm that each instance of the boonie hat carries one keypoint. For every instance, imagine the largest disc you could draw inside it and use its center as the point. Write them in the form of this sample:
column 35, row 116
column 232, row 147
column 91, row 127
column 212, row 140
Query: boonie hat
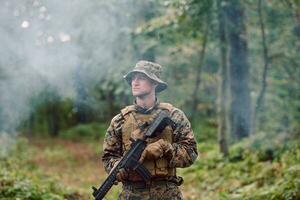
column 151, row 70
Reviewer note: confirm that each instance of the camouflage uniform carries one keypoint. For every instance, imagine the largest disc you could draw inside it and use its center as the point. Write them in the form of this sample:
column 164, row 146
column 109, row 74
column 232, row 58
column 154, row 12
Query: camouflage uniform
column 169, row 191
column 184, row 153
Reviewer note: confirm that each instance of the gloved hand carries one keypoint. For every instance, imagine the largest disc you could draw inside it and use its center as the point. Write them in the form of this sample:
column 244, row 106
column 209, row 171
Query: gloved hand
column 156, row 150
column 122, row 174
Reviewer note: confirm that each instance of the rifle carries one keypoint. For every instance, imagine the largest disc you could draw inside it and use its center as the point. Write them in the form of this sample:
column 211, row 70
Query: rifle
column 131, row 159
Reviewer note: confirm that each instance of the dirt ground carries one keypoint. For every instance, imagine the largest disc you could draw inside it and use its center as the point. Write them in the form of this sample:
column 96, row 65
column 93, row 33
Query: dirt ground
column 75, row 164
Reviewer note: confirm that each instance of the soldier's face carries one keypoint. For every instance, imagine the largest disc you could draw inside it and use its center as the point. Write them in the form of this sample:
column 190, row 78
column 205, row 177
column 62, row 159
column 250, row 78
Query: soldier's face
column 141, row 85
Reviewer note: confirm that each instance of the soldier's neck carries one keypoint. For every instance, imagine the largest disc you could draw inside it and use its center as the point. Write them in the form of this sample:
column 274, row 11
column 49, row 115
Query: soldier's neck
column 147, row 101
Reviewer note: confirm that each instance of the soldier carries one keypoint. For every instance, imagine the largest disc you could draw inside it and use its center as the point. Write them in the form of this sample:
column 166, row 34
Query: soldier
column 175, row 147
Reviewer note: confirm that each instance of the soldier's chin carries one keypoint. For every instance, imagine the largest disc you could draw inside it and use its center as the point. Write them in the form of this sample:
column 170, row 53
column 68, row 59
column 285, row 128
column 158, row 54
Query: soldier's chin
column 140, row 94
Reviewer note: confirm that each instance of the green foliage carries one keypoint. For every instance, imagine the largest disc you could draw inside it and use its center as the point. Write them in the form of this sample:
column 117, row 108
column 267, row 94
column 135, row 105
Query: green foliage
column 265, row 166
column 172, row 33
column 205, row 129
column 21, row 180
column 53, row 169
column 245, row 174
column 85, row 131
column 249, row 172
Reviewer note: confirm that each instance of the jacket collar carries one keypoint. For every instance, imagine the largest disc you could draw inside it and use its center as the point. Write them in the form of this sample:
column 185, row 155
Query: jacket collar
column 143, row 110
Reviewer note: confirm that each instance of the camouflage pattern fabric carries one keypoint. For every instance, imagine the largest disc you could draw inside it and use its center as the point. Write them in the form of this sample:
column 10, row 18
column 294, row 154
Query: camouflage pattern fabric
column 184, row 144
column 185, row 148
column 151, row 70
column 169, row 191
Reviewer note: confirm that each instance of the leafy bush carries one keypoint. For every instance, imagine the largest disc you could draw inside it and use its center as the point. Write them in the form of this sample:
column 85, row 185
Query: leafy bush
column 262, row 167
column 205, row 129
column 85, row 131
column 18, row 180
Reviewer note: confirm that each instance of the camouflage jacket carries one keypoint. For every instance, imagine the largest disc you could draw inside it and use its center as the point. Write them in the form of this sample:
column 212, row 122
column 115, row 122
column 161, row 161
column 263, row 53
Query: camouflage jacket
column 184, row 144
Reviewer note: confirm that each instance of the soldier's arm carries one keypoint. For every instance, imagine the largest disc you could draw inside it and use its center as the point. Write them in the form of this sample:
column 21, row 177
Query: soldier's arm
column 112, row 145
column 184, row 143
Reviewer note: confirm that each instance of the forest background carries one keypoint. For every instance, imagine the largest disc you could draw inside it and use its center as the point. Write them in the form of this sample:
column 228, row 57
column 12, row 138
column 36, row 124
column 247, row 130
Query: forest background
column 232, row 66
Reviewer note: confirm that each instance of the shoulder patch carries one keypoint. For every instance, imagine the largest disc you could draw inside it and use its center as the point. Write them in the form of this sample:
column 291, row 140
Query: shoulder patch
column 166, row 106
column 127, row 110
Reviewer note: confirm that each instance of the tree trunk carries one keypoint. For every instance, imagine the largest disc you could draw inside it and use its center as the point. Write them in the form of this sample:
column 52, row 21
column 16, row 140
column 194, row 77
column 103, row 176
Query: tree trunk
column 260, row 98
column 111, row 106
column 199, row 71
column 30, row 125
column 81, row 108
column 147, row 11
column 240, row 112
column 295, row 8
column 223, row 83
column 53, row 119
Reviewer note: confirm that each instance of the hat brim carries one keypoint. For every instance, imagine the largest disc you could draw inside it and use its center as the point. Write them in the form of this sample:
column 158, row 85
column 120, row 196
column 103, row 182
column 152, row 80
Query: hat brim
column 161, row 84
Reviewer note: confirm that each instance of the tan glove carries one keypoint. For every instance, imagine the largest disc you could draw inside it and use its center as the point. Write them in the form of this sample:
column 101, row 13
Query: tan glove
column 122, row 174
column 156, row 150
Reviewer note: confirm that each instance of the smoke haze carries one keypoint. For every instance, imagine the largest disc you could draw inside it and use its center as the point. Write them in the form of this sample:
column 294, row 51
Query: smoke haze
column 51, row 43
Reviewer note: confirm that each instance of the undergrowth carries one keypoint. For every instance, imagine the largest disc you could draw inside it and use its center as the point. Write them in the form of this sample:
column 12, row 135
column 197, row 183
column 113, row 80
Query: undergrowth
column 261, row 167
column 22, row 180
